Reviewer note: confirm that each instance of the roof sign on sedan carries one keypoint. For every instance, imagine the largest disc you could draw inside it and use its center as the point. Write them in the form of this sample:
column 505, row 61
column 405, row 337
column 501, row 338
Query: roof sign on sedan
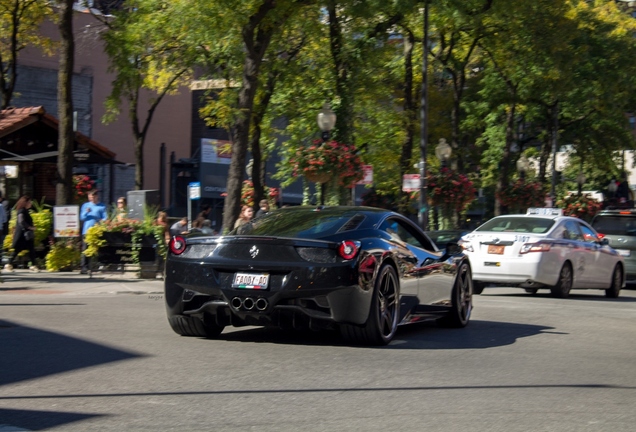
column 545, row 211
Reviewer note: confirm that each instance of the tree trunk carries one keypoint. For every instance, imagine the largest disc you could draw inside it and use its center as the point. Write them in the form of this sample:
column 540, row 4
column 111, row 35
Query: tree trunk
column 504, row 169
column 410, row 116
column 255, row 40
column 64, row 189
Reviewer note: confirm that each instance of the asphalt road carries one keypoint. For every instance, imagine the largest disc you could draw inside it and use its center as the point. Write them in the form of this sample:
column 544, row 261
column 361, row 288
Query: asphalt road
column 106, row 361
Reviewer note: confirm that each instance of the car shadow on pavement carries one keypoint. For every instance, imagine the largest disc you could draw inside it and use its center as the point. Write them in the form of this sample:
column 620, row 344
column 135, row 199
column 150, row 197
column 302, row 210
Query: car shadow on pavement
column 478, row 334
column 590, row 295
column 31, row 353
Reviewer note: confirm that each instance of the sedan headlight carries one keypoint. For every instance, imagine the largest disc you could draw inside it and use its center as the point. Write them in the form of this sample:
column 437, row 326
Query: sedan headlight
column 466, row 245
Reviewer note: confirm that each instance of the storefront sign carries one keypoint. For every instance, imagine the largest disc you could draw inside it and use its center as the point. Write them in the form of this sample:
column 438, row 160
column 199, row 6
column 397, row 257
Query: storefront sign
column 66, row 221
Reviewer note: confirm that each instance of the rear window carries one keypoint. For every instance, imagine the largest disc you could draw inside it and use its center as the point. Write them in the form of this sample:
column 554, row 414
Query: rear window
column 518, row 224
column 619, row 225
column 305, row 223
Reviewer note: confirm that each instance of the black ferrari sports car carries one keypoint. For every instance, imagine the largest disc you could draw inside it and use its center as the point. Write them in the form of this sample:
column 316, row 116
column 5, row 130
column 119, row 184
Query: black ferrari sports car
column 360, row 269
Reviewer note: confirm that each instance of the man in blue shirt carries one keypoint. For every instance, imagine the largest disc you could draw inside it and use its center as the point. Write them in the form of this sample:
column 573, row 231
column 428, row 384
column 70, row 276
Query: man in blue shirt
column 91, row 213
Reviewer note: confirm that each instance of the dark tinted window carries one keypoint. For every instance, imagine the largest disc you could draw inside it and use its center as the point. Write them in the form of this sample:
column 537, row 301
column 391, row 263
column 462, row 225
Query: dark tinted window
column 518, row 224
column 619, row 225
column 403, row 232
column 303, row 223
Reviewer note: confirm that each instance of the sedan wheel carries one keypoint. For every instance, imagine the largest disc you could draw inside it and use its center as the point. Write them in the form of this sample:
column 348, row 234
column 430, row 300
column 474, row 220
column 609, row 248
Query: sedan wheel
column 462, row 297
column 617, row 283
column 564, row 284
column 383, row 316
column 192, row 326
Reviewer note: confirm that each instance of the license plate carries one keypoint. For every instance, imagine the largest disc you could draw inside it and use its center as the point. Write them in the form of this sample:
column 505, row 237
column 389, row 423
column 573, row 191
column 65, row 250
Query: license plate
column 623, row 252
column 496, row 249
column 251, row 281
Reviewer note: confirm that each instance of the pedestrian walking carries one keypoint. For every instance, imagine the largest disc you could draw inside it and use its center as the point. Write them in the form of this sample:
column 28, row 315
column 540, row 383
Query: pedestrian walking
column 162, row 221
column 4, row 221
column 264, row 208
column 24, row 233
column 121, row 212
column 246, row 215
column 91, row 213
column 179, row 227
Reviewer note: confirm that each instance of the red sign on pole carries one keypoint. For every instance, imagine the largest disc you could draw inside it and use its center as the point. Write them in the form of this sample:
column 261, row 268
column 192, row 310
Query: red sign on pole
column 368, row 175
column 410, row 182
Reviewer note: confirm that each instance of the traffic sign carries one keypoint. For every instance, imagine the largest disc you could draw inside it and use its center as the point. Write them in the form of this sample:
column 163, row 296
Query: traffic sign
column 368, row 175
column 194, row 190
column 410, row 182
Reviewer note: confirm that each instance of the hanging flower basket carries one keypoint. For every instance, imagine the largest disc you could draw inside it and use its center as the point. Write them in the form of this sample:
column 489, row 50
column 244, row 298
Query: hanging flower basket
column 520, row 195
column 450, row 191
column 317, row 177
column 321, row 161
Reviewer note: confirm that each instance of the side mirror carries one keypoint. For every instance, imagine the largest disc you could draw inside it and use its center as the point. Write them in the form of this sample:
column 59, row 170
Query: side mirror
column 453, row 249
column 604, row 241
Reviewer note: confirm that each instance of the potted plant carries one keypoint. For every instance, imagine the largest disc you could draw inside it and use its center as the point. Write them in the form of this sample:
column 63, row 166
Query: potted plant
column 130, row 238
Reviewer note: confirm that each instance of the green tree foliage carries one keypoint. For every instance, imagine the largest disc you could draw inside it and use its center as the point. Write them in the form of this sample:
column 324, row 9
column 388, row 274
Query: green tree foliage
column 506, row 78
column 19, row 28
column 148, row 50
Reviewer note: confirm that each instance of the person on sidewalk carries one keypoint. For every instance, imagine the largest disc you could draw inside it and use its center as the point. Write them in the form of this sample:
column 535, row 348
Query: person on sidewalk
column 91, row 213
column 4, row 220
column 264, row 208
column 24, row 233
column 179, row 227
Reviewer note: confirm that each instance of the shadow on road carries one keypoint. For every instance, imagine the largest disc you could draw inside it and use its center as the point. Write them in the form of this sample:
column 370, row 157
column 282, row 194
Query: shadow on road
column 38, row 420
column 29, row 353
column 590, row 295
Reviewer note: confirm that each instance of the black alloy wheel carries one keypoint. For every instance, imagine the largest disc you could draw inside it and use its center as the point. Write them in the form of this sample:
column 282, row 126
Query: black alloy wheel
column 462, row 307
column 564, row 284
column 617, row 282
column 382, row 322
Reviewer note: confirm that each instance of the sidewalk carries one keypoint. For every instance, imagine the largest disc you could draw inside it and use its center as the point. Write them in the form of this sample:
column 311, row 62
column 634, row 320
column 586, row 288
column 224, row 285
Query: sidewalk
column 27, row 282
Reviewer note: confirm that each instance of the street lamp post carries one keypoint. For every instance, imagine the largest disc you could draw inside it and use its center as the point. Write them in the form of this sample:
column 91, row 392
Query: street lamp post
column 580, row 181
column 326, row 120
column 443, row 152
column 523, row 164
column 422, row 216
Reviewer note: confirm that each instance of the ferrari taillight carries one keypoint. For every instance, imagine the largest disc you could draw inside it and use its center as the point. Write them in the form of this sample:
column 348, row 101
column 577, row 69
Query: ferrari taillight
column 177, row 245
column 348, row 249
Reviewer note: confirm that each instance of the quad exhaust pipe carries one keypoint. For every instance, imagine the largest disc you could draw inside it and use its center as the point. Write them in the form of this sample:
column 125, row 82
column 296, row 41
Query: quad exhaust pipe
column 248, row 303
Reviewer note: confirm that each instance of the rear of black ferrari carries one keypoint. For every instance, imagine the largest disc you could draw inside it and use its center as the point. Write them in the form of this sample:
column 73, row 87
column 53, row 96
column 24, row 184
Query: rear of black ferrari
column 238, row 280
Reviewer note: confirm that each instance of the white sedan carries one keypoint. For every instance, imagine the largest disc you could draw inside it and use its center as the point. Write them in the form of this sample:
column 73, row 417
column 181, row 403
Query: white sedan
column 543, row 249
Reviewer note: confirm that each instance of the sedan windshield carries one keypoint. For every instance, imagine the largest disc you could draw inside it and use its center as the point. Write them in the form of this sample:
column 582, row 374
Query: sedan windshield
column 518, row 224
column 311, row 223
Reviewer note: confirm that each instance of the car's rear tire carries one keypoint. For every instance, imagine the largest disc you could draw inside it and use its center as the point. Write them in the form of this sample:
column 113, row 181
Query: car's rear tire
column 617, row 282
column 564, row 284
column 478, row 287
column 532, row 291
column 462, row 306
column 193, row 326
column 383, row 317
